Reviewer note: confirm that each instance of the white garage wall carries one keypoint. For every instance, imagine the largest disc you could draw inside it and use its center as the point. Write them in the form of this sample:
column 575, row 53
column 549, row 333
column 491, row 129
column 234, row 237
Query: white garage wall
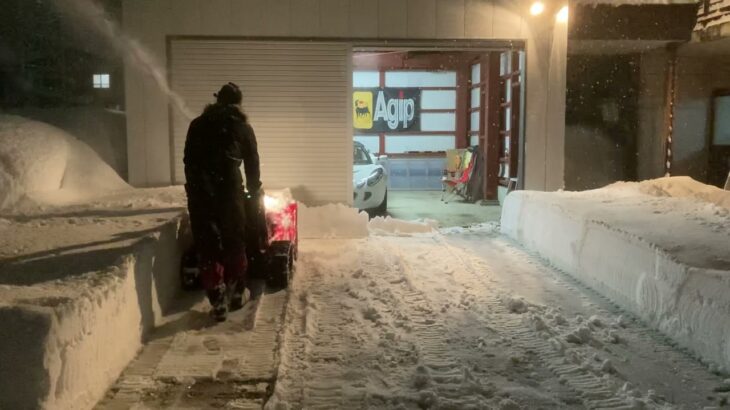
column 296, row 97
column 153, row 22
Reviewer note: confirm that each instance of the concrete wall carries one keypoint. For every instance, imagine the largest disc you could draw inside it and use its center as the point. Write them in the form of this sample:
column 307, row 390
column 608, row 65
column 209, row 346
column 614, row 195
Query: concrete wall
column 151, row 21
column 698, row 75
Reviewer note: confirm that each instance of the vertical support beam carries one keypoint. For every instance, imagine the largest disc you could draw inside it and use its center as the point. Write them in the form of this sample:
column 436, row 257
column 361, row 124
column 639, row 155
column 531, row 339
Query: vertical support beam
column 669, row 100
column 489, row 136
column 463, row 74
column 381, row 136
column 515, row 115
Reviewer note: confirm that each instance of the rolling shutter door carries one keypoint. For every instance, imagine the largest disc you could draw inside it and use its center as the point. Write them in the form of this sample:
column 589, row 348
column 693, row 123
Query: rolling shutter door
column 296, row 96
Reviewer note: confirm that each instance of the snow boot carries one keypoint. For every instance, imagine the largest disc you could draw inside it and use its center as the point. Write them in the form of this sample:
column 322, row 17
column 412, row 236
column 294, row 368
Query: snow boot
column 217, row 298
column 238, row 296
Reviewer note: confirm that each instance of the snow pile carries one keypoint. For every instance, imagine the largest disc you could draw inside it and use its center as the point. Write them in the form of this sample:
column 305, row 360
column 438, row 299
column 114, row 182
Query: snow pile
column 677, row 187
column 341, row 221
column 660, row 249
column 332, row 221
column 44, row 164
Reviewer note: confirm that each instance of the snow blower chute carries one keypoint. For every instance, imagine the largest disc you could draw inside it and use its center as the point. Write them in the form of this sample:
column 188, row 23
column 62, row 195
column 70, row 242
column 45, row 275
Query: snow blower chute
column 272, row 244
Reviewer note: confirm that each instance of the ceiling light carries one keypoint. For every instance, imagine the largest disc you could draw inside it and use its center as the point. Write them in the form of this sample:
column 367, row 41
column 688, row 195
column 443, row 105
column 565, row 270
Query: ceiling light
column 562, row 16
column 537, row 8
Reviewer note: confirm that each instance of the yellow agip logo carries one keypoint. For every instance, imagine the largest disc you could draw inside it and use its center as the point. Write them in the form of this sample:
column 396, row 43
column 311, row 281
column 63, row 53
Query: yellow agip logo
column 362, row 110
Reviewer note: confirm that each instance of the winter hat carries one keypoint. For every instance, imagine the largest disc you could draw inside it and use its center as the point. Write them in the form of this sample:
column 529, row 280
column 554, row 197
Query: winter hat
column 229, row 94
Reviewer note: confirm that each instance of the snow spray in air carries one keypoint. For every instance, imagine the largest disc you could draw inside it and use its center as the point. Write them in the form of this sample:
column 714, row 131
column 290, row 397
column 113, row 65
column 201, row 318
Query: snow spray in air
column 90, row 13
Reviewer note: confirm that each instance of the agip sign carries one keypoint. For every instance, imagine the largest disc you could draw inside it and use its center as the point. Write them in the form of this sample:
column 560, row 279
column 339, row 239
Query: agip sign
column 376, row 110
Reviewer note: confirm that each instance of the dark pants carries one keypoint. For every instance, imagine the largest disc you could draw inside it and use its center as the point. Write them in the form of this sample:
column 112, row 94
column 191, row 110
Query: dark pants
column 219, row 232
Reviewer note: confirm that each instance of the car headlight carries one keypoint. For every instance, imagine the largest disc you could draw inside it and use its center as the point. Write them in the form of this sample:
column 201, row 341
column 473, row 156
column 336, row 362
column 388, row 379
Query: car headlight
column 375, row 177
column 361, row 183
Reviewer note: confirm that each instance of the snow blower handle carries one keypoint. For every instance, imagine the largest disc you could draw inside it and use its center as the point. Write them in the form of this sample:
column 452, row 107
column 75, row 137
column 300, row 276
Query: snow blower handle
column 258, row 237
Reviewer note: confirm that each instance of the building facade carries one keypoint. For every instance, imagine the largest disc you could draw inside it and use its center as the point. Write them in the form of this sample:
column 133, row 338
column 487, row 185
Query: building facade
column 294, row 60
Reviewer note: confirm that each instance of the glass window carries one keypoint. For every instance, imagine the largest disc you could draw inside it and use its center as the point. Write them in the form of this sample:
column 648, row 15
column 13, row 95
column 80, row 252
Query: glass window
column 410, row 78
column 721, row 126
column 398, row 144
column 438, row 99
column 438, row 122
column 101, row 81
column 361, row 156
column 475, row 73
column 365, row 79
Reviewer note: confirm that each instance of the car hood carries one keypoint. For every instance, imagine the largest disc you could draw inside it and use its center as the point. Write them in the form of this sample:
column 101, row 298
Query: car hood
column 363, row 171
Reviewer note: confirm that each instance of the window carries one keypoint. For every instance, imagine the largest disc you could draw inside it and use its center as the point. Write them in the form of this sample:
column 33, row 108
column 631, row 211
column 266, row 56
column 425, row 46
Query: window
column 101, row 81
column 721, row 126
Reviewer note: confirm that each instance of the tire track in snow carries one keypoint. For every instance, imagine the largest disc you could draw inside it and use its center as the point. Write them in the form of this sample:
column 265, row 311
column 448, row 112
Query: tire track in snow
column 638, row 341
column 590, row 388
column 597, row 390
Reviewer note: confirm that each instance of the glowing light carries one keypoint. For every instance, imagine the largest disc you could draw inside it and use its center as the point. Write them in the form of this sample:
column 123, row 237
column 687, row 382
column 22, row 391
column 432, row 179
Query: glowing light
column 562, row 16
column 271, row 203
column 537, row 8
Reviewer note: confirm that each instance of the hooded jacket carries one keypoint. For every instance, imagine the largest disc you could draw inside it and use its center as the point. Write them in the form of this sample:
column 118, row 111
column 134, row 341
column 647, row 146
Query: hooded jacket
column 216, row 144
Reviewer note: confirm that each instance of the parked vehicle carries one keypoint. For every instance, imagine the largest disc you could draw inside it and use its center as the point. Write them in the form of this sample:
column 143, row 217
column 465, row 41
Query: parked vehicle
column 369, row 181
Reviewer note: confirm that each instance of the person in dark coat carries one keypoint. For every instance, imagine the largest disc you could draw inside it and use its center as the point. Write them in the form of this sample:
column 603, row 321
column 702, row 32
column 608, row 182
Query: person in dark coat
column 217, row 143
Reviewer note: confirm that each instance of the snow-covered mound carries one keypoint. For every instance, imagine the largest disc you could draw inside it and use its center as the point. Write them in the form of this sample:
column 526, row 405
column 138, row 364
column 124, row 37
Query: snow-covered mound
column 44, row 164
column 675, row 187
column 659, row 248
column 341, row 221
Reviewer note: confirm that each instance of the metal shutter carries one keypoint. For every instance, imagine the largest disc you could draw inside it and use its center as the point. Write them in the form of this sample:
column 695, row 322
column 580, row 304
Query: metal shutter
column 296, row 96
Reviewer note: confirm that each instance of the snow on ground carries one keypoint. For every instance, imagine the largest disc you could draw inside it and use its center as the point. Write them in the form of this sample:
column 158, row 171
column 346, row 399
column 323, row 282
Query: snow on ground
column 43, row 164
column 466, row 319
column 660, row 249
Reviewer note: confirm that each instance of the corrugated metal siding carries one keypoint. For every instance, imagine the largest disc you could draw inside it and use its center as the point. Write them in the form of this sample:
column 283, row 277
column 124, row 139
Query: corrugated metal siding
column 297, row 98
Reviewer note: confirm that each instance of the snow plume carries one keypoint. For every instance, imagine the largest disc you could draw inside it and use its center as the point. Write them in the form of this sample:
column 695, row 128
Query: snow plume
column 89, row 13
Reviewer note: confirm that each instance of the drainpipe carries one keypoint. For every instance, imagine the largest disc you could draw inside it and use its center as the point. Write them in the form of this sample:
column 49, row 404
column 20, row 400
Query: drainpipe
column 669, row 101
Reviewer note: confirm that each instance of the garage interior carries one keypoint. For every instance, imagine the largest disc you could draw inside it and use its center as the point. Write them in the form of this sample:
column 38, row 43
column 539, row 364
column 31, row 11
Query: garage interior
column 464, row 100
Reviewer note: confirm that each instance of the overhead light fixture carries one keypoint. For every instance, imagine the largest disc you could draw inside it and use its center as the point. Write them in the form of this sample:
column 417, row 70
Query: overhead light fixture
column 562, row 16
column 537, row 8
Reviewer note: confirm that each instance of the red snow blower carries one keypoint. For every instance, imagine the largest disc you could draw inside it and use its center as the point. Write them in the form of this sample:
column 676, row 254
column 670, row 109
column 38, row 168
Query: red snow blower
column 271, row 246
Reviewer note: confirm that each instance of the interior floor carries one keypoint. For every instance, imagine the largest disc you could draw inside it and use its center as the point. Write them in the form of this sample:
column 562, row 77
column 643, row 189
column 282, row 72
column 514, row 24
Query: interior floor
column 410, row 205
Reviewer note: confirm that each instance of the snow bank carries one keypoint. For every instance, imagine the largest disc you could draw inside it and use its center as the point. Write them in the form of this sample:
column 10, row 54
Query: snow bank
column 660, row 249
column 45, row 164
column 64, row 342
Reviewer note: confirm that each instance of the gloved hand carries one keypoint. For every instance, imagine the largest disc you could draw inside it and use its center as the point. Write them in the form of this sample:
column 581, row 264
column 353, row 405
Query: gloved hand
column 258, row 198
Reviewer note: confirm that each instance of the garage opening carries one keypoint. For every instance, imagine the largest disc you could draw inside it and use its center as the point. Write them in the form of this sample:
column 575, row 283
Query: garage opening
column 444, row 127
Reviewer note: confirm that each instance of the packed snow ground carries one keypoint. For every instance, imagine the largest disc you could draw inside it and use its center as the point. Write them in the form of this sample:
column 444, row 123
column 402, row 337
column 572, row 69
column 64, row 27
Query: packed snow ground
column 466, row 319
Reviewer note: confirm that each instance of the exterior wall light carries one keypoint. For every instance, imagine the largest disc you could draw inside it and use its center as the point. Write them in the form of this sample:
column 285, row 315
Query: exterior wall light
column 562, row 16
column 537, row 8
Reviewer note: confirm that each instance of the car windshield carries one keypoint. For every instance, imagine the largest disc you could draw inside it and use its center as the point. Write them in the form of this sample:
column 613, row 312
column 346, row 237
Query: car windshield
column 361, row 156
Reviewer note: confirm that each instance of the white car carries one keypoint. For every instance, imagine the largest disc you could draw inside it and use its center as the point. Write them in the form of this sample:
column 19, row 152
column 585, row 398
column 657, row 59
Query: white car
column 369, row 181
